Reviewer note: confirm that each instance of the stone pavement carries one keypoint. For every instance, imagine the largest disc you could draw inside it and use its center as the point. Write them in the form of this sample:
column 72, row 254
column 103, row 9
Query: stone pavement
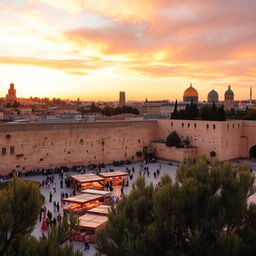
column 165, row 168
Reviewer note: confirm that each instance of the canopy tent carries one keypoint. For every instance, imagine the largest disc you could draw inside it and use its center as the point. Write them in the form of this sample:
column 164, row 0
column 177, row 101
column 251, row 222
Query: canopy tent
column 101, row 210
column 81, row 203
column 116, row 178
column 85, row 181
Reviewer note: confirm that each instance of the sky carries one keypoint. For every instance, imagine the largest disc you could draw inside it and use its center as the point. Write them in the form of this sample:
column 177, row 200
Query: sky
column 92, row 49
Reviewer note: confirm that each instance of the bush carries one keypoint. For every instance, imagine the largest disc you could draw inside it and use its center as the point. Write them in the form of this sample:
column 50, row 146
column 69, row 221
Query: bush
column 139, row 154
column 173, row 140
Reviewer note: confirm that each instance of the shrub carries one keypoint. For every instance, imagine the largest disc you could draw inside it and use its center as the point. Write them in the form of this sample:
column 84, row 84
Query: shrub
column 173, row 140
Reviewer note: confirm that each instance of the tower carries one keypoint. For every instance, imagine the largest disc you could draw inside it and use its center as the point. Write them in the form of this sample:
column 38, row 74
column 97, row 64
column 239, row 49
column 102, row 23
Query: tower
column 122, row 99
column 229, row 99
column 11, row 96
column 251, row 97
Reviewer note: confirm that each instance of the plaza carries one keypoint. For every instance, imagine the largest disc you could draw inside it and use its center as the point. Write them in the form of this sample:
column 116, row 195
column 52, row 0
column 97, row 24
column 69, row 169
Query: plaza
column 163, row 167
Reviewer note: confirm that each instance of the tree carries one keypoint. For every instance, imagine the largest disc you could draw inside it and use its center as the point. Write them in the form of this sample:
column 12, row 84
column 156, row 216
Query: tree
column 221, row 115
column 173, row 140
column 174, row 114
column 20, row 202
column 212, row 154
column 205, row 211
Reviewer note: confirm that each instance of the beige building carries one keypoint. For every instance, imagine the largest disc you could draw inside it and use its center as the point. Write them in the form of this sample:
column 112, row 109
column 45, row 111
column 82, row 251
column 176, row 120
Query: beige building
column 29, row 146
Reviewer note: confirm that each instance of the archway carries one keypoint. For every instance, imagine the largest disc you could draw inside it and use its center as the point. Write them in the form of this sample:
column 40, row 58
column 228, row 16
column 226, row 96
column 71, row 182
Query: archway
column 252, row 153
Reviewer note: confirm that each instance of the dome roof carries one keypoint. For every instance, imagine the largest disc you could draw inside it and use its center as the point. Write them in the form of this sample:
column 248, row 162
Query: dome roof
column 213, row 95
column 229, row 91
column 190, row 92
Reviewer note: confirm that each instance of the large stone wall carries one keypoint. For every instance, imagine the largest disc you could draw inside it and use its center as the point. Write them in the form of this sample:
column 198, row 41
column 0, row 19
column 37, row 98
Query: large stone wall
column 29, row 146
column 221, row 137
column 50, row 145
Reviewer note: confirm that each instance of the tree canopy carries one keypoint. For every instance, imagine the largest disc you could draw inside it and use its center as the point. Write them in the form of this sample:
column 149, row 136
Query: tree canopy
column 173, row 140
column 20, row 202
column 205, row 211
column 191, row 112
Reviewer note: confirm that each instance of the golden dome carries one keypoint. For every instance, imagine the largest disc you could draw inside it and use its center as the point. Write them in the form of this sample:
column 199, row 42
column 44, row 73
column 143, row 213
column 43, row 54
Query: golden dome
column 190, row 92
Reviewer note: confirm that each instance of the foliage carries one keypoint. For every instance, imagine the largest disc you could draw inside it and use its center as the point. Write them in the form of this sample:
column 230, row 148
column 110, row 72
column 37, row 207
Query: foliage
column 20, row 202
column 110, row 111
column 204, row 212
column 139, row 154
column 191, row 112
column 173, row 140
column 212, row 153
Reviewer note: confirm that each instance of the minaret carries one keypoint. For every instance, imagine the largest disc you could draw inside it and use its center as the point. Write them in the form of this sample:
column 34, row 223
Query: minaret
column 251, row 97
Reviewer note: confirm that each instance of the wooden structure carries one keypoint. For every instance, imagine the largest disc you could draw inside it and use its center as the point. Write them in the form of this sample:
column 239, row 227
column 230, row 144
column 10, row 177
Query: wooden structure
column 117, row 178
column 81, row 203
column 87, row 181
column 90, row 224
column 100, row 210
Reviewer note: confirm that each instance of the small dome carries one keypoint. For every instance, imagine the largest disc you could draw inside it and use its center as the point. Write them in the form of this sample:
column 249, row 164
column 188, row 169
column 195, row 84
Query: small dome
column 229, row 92
column 213, row 96
column 190, row 92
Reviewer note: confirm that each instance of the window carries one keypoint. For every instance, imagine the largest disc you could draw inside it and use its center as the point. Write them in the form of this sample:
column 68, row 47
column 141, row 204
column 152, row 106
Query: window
column 207, row 126
column 12, row 151
column 213, row 126
column 138, row 141
column 228, row 126
column 3, row 151
column 188, row 125
column 233, row 126
column 182, row 124
column 171, row 124
column 195, row 125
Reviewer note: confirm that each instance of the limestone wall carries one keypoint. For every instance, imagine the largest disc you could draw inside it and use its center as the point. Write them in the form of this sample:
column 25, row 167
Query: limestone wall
column 172, row 153
column 50, row 145
column 207, row 136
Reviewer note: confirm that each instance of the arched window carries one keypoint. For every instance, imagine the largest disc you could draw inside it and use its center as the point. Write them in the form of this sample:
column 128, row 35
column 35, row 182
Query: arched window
column 195, row 125
column 207, row 126
column 182, row 124
column 213, row 126
column 171, row 124
column 227, row 126
column 188, row 124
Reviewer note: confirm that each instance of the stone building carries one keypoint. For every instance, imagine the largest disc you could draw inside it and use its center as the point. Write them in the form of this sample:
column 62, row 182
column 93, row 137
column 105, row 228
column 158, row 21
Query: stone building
column 213, row 96
column 11, row 96
column 229, row 99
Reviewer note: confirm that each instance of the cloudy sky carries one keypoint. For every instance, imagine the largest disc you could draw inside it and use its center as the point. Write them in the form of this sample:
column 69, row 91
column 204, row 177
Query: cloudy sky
column 92, row 49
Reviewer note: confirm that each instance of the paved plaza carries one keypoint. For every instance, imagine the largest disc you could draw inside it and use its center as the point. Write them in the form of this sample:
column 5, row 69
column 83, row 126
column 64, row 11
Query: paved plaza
column 165, row 168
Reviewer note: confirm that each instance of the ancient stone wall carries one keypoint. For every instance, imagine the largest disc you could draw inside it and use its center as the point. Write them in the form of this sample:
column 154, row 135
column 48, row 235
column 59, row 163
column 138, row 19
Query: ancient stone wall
column 28, row 146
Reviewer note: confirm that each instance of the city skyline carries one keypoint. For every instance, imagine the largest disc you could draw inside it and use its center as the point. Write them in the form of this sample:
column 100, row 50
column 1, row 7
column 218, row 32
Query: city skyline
column 72, row 49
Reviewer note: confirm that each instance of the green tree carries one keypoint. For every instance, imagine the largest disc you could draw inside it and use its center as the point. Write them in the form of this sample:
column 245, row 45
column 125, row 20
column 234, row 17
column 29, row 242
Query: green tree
column 205, row 211
column 173, row 140
column 221, row 115
column 20, row 203
column 174, row 114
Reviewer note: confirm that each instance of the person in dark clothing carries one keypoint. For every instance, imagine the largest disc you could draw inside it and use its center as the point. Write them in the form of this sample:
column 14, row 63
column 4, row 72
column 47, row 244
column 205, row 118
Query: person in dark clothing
column 50, row 197
column 58, row 207
column 61, row 183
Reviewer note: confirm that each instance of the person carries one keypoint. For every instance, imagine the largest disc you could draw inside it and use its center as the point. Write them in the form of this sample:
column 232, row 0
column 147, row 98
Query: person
column 44, row 225
column 59, row 218
column 54, row 221
column 122, row 191
column 86, row 242
column 50, row 197
column 54, row 187
column 61, row 183
column 58, row 206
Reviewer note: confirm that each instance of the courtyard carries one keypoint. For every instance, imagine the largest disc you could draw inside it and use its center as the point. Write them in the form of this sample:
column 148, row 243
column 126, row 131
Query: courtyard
column 164, row 168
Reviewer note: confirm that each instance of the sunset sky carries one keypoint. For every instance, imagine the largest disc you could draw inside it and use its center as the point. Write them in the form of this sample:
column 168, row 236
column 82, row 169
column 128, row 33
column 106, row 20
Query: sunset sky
column 92, row 49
